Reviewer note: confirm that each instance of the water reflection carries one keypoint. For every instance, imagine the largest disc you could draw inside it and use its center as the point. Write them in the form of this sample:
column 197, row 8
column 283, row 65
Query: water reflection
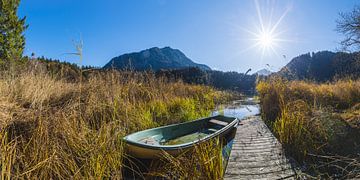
column 239, row 109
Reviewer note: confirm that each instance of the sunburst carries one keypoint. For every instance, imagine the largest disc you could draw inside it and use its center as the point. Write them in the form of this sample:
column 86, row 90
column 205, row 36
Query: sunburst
column 266, row 36
column 265, row 39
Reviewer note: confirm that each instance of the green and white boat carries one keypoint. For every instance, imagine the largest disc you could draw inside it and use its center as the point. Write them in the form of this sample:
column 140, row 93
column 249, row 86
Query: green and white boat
column 174, row 139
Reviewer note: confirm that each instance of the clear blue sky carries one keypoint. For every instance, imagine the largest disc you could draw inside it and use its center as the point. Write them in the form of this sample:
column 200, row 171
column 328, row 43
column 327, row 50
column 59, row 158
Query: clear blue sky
column 217, row 33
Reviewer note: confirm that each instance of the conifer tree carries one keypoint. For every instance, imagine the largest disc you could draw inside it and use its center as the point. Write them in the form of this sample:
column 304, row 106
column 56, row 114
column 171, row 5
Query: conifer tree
column 12, row 39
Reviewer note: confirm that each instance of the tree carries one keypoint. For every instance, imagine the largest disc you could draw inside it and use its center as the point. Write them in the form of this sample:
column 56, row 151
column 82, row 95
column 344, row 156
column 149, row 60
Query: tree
column 12, row 39
column 349, row 25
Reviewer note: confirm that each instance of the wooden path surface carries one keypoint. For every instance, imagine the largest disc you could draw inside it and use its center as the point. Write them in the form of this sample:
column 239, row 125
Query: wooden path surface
column 257, row 154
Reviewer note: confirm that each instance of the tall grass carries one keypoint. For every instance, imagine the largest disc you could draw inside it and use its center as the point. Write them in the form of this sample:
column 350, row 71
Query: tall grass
column 205, row 161
column 51, row 128
column 313, row 119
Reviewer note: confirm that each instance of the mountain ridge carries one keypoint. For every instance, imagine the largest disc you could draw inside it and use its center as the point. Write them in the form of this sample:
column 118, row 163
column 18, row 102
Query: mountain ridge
column 154, row 59
column 322, row 66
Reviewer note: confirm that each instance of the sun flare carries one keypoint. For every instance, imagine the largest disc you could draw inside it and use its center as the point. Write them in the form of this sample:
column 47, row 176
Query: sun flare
column 268, row 35
column 266, row 39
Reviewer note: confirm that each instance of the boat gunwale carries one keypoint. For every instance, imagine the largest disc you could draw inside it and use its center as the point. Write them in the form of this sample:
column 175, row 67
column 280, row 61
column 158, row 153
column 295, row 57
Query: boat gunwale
column 184, row 145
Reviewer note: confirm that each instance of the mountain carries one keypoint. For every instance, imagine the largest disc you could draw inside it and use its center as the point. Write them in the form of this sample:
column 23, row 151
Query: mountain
column 323, row 66
column 155, row 59
column 263, row 72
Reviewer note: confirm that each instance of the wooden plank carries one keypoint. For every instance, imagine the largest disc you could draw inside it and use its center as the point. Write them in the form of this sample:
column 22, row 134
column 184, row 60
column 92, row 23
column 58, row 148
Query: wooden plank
column 257, row 154
column 221, row 123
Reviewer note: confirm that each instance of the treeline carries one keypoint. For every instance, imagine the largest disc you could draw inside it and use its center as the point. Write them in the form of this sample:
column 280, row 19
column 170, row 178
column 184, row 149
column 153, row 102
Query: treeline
column 232, row 81
column 70, row 72
column 323, row 66
column 53, row 67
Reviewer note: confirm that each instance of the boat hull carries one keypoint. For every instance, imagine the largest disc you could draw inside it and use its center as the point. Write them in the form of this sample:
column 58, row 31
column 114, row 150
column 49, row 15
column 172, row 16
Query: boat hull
column 145, row 151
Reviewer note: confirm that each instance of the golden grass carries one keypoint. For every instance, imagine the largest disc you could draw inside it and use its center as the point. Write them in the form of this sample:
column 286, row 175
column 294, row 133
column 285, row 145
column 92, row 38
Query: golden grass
column 205, row 161
column 52, row 129
column 310, row 118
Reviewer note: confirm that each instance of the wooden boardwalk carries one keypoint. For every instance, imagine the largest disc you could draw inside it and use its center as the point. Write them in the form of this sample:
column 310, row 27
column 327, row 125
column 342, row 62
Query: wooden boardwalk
column 257, row 154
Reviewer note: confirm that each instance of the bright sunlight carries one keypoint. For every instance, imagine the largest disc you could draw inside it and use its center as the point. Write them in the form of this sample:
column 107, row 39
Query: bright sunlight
column 266, row 36
column 266, row 39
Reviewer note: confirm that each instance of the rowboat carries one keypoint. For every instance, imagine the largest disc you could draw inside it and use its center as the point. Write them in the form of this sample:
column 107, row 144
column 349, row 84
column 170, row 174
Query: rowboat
column 176, row 138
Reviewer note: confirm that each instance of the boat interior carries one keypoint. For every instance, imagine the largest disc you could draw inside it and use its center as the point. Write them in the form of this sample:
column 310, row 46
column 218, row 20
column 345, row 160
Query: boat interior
column 184, row 133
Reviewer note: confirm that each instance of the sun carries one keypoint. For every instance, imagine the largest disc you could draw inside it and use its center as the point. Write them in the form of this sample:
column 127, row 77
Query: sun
column 266, row 39
column 267, row 36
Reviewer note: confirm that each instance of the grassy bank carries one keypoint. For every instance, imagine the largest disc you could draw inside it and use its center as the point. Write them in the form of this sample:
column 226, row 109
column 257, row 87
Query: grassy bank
column 319, row 124
column 54, row 128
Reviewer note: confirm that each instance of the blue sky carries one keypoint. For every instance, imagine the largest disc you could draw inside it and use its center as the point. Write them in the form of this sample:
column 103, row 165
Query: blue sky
column 217, row 33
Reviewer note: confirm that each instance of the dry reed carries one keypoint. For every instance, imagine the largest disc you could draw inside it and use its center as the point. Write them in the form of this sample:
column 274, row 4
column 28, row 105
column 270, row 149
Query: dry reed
column 51, row 128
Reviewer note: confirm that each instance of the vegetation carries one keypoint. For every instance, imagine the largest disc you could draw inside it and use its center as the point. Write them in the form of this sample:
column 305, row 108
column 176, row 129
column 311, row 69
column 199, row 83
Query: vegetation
column 322, row 66
column 55, row 68
column 229, row 81
column 53, row 128
column 317, row 123
column 12, row 40
column 205, row 161
column 232, row 81
column 348, row 25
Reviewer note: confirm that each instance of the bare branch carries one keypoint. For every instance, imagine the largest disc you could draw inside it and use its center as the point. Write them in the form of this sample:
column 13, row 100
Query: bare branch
column 349, row 25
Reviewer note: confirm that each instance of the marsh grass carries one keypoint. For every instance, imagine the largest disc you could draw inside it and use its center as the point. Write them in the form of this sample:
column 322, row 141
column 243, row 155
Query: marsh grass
column 205, row 161
column 317, row 119
column 52, row 128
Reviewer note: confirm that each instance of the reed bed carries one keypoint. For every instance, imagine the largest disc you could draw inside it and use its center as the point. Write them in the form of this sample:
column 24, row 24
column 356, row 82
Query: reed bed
column 53, row 128
column 205, row 161
column 315, row 120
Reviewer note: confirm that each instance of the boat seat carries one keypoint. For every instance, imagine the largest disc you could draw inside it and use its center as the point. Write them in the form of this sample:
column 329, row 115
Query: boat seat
column 212, row 130
column 215, row 121
column 150, row 141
